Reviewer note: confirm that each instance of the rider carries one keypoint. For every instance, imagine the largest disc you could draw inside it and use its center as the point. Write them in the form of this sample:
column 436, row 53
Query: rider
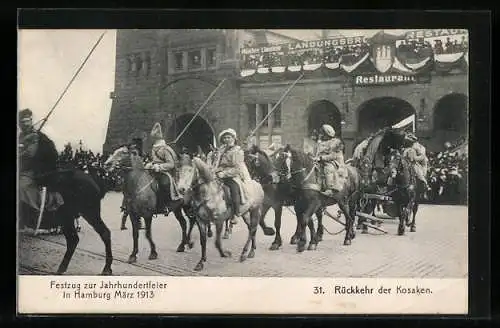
column 164, row 160
column 329, row 153
column 230, row 166
column 417, row 156
column 34, row 166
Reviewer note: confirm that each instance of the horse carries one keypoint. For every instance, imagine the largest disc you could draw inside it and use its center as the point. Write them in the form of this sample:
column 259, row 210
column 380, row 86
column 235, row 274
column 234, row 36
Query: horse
column 304, row 176
column 140, row 190
column 271, row 173
column 210, row 199
column 82, row 197
column 408, row 191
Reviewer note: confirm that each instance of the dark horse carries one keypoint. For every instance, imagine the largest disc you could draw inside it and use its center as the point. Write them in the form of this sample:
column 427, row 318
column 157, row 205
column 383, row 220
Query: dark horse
column 278, row 191
column 392, row 176
column 82, row 197
column 140, row 190
column 304, row 175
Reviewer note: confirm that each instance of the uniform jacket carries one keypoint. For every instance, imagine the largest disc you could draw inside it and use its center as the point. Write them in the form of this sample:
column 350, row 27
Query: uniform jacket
column 416, row 154
column 164, row 155
column 231, row 162
column 330, row 150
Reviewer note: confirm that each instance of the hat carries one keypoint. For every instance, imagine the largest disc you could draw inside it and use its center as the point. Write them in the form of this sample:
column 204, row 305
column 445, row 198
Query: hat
column 227, row 131
column 25, row 114
column 412, row 137
column 156, row 131
column 328, row 129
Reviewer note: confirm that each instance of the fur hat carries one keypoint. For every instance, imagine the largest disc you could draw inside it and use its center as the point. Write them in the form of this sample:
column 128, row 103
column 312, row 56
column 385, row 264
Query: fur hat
column 25, row 114
column 156, row 132
column 328, row 130
column 231, row 132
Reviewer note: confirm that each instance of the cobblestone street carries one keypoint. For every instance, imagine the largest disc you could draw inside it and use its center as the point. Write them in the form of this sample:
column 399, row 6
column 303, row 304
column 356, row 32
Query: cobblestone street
column 438, row 249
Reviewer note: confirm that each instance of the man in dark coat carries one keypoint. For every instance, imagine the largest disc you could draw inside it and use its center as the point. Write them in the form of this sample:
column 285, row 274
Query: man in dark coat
column 37, row 159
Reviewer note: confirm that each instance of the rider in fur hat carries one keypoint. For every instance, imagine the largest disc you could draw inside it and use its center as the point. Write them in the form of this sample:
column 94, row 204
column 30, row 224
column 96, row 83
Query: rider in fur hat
column 417, row 156
column 164, row 160
column 230, row 166
column 329, row 153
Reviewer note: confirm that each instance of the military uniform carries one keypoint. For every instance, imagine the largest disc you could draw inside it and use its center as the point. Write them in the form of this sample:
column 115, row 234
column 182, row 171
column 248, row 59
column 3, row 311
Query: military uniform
column 38, row 157
column 416, row 154
column 231, row 168
column 164, row 160
column 329, row 153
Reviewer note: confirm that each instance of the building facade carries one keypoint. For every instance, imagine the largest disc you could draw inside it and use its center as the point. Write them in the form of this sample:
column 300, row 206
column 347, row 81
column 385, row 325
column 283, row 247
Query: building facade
column 166, row 75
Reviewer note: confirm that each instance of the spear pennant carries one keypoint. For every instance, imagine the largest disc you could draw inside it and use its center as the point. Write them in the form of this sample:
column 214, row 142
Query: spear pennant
column 44, row 120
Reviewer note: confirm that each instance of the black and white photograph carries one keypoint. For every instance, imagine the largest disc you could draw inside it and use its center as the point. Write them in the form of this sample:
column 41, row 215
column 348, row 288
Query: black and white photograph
column 244, row 153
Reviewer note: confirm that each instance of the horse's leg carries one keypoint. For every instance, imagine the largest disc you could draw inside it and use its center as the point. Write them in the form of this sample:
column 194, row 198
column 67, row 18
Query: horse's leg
column 148, row 220
column 218, row 241
column 94, row 218
column 202, row 227
column 313, row 243
column 413, row 227
column 246, row 217
column 402, row 220
column 124, row 220
column 182, row 221
column 226, row 230
column 192, row 222
column 320, row 231
column 302, row 224
column 72, row 240
column 296, row 234
column 349, row 221
column 209, row 230
column 255, row 215
column 278, row 212
column 135, row 220
column 268, row 231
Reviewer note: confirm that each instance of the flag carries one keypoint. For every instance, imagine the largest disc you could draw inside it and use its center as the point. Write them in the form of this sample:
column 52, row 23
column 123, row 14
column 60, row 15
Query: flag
column 407, row 121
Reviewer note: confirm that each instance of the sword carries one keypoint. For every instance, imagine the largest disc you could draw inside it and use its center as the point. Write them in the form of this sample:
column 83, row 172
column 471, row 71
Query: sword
column 42, row 208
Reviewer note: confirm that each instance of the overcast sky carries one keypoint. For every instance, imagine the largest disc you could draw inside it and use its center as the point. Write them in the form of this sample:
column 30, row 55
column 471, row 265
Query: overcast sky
column 49, row 58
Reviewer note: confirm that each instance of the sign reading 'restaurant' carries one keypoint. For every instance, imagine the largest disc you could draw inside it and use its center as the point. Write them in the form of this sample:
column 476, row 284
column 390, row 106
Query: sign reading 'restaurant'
column 383, row 79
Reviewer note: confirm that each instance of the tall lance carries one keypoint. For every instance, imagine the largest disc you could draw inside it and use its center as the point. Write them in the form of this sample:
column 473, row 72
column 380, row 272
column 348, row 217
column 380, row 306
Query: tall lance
column 44, row 120
column 198, row 111
column 275, row 106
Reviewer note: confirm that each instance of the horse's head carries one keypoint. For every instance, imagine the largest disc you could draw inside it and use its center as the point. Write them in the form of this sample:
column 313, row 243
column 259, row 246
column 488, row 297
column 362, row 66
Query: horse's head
column 120, row 157
column 259, row 163
column 293, row 164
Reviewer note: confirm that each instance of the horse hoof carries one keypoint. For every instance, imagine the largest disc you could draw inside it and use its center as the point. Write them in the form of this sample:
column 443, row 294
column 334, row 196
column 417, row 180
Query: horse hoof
column 198, row 267
column 251, row 255
column 274, row 247
column 227, row 254
column 132, row 259
column 347, row 242
column 301, row 248
column 180, row 249
column 401, row 232
column 107, row 272
column 269, row 231
column 191, row 245
column 60, row 272
column 153, row 256
column 364, row 231
column 123, row 228
column 209, row 234
column 413, row 229
column 243, row 258
column 293, row 241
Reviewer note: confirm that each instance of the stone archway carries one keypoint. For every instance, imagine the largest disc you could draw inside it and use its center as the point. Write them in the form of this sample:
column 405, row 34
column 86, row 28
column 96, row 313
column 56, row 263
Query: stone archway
column 199, row 133
column 450, row 118
column 378, row 113
column 323, row 112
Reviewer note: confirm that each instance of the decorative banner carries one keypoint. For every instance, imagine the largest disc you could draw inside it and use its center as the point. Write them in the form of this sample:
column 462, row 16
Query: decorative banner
column 411, row 54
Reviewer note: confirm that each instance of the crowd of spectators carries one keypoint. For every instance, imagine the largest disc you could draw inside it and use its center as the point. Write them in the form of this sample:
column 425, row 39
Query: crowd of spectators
column 89, row 162
column 447, row 175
